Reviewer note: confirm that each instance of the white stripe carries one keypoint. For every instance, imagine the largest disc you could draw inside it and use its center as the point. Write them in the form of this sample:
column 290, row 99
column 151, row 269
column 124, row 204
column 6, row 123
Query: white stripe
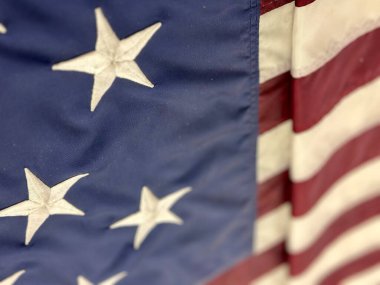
column 352, row 116
column 277, row 276
column 275, row 41
column 323, row 28
column 356, row 187
column 3, row 30
column 273, row 151
column 271, row 228
column 356, row 242
column 288, row 36
column 366, row 277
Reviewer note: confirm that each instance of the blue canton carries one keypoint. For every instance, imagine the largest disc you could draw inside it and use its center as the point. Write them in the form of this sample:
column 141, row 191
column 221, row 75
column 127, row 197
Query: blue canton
column 157, row 184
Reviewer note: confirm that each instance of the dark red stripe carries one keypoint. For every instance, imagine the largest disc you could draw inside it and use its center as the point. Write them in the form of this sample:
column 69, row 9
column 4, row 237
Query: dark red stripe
column 353, row 267
column 273, row 193
column 252, row 268
column 269, row 5
column 300, row 3
column 351, row 155
column 355, row 216
column 316, row 94
column 274, row 101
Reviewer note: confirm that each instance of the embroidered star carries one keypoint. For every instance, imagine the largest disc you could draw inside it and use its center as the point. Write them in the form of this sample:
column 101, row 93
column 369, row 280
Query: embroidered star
column 13, row 278
column 153, row 211
column 3, row 29
column 43, row 202
column 110, row 281
column 111, row 58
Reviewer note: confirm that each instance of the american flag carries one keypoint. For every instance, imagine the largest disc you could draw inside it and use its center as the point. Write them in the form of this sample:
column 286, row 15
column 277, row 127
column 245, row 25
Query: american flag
column 319, row 146
column 128, row 142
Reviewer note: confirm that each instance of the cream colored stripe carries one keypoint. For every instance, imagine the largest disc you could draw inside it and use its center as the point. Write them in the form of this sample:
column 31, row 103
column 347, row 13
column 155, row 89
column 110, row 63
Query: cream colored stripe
column 288, row 37
column 275, row 42
column 3, row 30
column 348, row 247
column 277, row 276
column 271, row 229
column 366, row 277
column 322, row 29
column 356, row 187
column 273, row 151
column 355, row 114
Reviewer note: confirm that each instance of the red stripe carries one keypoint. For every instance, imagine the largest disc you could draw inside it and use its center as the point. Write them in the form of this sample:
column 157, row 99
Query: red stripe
column 353, row 267
column 274, row 101
column 355, row 152
column 269, row 5
column 273, row 193
column 299, row 262
column 252, row 268
column 300, row 3
column 316, row 94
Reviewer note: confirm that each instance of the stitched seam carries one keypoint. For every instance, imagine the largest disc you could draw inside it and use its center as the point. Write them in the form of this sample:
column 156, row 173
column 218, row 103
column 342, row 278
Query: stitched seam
column 254, row 13
column 250, row 121
column 253, row 57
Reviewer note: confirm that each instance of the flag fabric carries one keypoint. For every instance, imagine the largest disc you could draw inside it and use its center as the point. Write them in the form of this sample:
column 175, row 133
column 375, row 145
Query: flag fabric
column 128, row 142
column 318, row 151
column 127, row 147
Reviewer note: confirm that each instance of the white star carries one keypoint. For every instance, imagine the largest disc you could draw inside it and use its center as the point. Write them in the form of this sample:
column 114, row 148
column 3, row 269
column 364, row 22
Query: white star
column 111, row 58
column 3, row 29
column 13, row 278
column 43, row 202
column 110, row 281
column 153, row 211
